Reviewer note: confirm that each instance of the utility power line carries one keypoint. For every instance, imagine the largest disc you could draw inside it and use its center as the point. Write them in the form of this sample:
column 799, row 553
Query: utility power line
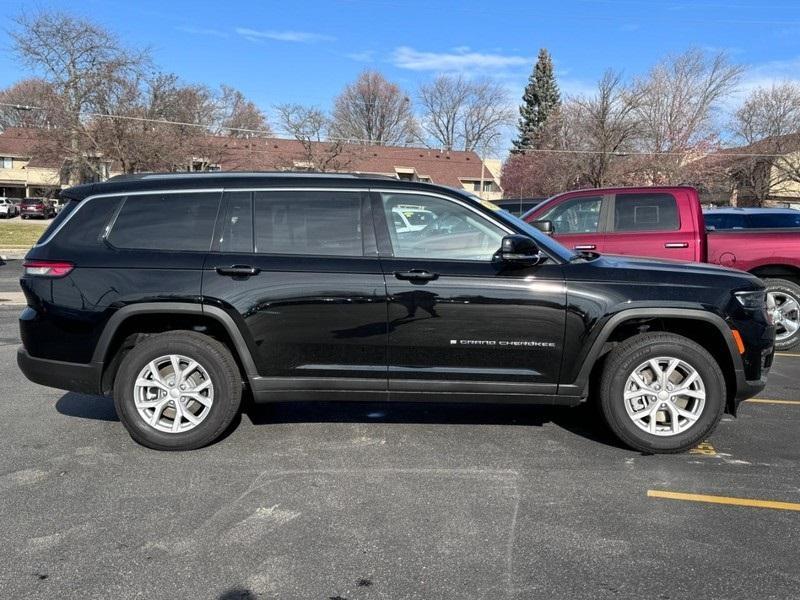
column 271, row 133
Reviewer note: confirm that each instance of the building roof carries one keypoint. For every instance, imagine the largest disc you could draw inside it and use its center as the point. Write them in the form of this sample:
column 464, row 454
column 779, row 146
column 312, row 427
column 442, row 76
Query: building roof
column 20, row 142
column 443, row 167
column 269, row 154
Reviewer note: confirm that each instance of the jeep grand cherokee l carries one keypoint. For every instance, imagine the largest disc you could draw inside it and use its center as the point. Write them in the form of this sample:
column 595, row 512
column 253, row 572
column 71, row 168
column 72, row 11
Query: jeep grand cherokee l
column 173, row 293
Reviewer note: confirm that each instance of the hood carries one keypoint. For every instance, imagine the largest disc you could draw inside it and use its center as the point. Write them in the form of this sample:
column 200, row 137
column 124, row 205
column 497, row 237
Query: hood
column 612, row 267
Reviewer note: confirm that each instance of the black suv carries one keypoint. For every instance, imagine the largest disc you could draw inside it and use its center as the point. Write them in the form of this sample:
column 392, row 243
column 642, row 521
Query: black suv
column 174, row 293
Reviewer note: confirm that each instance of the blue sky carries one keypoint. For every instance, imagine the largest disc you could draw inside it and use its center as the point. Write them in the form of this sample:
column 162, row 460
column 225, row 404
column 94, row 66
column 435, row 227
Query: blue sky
column 296, row 51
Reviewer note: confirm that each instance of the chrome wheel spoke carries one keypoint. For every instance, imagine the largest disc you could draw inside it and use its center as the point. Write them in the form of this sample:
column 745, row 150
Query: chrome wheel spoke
column 204, row 400
column 790, row 305
column 152, row 383
column 158, row 410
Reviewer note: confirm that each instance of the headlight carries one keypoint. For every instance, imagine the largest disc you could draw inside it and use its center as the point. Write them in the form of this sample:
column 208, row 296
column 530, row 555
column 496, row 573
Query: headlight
column 754, row 299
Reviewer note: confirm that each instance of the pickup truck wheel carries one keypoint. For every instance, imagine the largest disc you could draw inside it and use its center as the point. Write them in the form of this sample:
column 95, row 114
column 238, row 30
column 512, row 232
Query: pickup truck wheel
column 177, row 390
column 661, row 393
column 786, row 315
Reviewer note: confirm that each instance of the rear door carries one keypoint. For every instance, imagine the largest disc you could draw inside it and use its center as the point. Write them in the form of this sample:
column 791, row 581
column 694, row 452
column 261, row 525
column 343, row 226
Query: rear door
column 650, row 224
column 298, row 271
column 578, row 221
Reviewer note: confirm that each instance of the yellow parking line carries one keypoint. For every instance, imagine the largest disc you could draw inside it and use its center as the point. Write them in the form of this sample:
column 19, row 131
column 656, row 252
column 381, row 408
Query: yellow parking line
column 787, row 354
column 768, row 401
column 724, row 500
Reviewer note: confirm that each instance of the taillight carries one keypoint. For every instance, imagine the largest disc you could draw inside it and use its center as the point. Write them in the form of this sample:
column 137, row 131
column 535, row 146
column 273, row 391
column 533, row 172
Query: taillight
column 47, row 268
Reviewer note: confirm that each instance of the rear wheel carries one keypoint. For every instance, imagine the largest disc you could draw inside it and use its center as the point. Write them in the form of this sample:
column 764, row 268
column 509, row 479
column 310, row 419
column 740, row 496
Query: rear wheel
column 786, row 314
column 661, row 392
column 178, row 390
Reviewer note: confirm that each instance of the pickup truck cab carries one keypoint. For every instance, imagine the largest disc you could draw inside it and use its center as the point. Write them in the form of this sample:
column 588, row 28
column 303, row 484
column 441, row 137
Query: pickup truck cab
column 668, row 223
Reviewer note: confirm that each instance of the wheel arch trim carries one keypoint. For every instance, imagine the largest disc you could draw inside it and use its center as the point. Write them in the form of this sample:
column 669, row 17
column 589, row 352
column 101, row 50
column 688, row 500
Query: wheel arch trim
column 180, row 308
column 580, row 385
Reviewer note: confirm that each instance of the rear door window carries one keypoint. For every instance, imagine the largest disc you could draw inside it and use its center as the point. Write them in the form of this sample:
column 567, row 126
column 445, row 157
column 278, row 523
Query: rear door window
column 646, row 212
column 315, row 223
column 158, row 221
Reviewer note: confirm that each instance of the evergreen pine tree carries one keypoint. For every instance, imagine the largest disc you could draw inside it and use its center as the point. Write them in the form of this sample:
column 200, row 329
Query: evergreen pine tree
column 540, row 99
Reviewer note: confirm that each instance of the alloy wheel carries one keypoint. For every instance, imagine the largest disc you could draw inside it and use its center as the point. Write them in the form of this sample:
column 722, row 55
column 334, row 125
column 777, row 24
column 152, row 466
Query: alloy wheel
column 173, row 393
column 664, row 396
column 785, row 315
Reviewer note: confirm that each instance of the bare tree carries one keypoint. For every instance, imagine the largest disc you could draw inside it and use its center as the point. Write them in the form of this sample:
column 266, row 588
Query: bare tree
column 768, row 123
column 78, row 58
column 29, row 96
column 240, row 117
column 676, row 104
column 311, row 128
column 372, row 110
column 605, row 127
column 443, row 103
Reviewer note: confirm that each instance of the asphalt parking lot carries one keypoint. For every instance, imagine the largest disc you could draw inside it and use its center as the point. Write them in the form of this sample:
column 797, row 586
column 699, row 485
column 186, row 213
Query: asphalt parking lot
column 356, row 501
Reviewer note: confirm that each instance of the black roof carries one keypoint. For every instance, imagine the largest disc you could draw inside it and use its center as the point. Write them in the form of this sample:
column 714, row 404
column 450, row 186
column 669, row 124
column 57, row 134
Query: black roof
column 236, row 179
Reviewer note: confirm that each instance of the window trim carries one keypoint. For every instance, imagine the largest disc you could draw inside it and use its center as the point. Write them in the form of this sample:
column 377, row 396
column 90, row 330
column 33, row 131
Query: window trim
column 613, row 207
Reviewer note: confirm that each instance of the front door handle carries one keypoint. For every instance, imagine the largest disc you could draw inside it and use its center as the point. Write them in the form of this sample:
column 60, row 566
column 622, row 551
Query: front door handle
column 676, row 245
column 238, row 271
column 416, row 274
column 585, row 247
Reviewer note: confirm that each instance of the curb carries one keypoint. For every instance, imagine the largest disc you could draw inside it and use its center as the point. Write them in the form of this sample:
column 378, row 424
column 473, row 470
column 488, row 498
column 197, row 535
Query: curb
column 13, row 253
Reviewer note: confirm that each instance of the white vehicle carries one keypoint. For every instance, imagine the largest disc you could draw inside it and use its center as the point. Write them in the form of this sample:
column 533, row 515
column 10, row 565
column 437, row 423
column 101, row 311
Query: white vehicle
column 8, row 209
column 411, row 218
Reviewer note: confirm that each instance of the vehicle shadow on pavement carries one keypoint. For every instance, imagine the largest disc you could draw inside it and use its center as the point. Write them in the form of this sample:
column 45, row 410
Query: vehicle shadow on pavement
column 82, row 406
column 583, row 420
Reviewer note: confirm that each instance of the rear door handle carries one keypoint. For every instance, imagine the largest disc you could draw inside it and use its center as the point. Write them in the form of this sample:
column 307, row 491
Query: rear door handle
column 416, row 274
column 676, row 245
column 585, row 247
column 238, row 271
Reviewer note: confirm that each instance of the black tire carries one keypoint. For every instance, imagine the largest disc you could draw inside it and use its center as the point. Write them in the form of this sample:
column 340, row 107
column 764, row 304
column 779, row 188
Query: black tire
column 787, row 288
column 621, row 363
column 221, row 367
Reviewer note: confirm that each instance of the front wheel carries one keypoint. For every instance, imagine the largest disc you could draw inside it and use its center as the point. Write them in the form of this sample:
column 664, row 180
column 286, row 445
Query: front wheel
column 661, row 392
column 177, row 390
column 786, row 314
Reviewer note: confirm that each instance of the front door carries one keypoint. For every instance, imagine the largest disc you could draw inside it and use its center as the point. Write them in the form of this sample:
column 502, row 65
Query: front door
column 460, row 323
column 299, row 271
column 577, row 222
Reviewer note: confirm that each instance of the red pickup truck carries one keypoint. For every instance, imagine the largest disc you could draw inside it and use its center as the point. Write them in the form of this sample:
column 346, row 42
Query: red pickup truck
column 667, row 222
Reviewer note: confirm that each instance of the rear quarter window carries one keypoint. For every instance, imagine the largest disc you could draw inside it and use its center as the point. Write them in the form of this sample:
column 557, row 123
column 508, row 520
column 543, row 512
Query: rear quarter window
column 646, row 212
column 178, row 222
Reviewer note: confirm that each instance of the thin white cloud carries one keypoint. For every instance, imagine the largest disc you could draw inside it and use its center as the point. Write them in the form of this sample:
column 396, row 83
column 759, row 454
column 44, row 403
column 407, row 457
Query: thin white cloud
column 302, row 37
column 458, row 60
column 365, row 56
column 203, row 31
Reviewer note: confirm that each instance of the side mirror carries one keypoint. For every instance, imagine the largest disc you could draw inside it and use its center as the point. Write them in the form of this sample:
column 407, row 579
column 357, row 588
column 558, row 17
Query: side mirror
column 519, row 249
column 544, row 226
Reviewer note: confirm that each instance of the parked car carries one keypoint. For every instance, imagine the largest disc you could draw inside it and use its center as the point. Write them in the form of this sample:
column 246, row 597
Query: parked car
column 667, row 222
column 751, row 218
column 518, row 206
column 8, row 209
column 303, row 287
column 37, row 207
